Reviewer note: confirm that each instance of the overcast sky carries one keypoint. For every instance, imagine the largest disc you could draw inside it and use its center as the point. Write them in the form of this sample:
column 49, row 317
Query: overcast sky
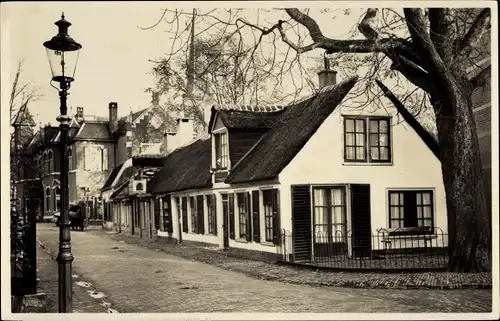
column 113, row 63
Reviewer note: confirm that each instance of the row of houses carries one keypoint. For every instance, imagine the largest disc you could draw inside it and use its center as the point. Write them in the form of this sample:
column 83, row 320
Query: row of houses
column 319, row 166
column 95, row 146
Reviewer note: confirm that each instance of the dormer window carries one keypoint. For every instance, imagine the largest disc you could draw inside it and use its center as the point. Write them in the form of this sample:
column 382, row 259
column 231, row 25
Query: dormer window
column 221, row 151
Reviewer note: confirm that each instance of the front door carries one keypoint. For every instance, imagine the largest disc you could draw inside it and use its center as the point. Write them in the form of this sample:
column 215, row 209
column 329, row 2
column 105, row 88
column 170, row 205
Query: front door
column 225, row 220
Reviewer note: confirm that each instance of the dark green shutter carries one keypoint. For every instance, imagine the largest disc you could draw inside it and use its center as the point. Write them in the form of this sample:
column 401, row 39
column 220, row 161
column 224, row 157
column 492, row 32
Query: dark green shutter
column 256, row 216
column 185, row 227
column 200, row 212
column 276, row 218
column 248, row 214
column 231, row 215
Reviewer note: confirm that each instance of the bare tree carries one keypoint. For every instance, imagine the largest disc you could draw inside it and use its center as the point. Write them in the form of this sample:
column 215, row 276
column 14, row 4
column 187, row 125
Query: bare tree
column 429, row 53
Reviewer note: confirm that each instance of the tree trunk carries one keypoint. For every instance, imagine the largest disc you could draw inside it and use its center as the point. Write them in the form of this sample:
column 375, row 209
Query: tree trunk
column 468, row 218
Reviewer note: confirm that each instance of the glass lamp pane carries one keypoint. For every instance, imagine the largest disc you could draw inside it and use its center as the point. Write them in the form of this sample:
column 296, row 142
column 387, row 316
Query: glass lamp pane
column 63, row 63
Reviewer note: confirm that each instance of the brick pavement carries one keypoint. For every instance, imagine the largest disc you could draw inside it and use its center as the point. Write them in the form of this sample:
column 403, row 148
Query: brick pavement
column 137, row 279
column 296, row 275
column 47, row 271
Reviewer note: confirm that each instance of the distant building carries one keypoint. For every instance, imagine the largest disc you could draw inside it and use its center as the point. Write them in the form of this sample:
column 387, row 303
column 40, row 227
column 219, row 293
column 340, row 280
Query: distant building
column 95, row 146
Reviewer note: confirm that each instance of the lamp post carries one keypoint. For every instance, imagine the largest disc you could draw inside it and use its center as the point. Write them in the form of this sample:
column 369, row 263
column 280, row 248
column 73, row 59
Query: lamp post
column 63, row 52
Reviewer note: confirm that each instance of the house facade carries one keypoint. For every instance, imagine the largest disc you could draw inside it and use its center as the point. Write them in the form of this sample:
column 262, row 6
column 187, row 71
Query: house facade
column 95, row 145
column 316, row 168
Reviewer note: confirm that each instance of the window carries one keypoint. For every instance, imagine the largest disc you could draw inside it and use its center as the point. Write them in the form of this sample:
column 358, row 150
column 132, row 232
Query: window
column 47, row 199
column 221, row 151
column 57, row 199
column 44, row 165
column 96, row 158
column 104, row 158
column 244, row 213
column 212, row 214
column 360, row 147
column 329, row 215
column 139, row 187
column 50, row 162
column 194, row 215
column 270, row 202
column 70, row 158
column 228, row 211
column 411, row 209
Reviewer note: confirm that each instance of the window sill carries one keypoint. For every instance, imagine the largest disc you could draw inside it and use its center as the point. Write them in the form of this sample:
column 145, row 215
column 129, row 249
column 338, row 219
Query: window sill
column 346, row 163
column 271, row 244
column 241, row 240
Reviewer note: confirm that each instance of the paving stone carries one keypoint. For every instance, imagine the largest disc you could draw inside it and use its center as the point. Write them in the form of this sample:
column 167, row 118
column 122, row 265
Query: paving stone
column 131, row 284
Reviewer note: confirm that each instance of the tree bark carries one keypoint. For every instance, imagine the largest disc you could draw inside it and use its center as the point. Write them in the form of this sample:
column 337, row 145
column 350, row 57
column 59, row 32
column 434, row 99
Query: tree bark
column 469, row 225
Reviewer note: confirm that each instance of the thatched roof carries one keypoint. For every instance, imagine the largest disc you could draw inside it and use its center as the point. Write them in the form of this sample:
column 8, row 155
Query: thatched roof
column 185, row 168
column 111, row 177
column 245, row 117
column 292, row 129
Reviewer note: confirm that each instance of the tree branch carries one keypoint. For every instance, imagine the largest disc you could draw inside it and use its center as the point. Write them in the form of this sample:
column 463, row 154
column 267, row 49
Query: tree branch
column 443, row 33
column 476, row 31
column 354, row 45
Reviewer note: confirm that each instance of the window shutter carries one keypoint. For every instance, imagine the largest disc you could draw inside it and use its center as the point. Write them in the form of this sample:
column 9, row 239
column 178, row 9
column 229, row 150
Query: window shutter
column 361, row 220
column 105, row 154
column 169, row 224
column 249, row 221
column 231, row 215
column 213, row 208
column 201, row 215
column 276, row 218
column 157, row 213
column 184, row 215
column 256, row 216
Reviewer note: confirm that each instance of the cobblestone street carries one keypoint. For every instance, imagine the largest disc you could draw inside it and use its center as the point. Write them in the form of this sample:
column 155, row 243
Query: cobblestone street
column 136, row 279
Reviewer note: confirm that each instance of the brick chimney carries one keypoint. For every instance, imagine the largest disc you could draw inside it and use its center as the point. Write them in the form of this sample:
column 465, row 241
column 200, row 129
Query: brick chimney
column 79, row 114
column 185, row 129
column 113, row 116
column 327, row 77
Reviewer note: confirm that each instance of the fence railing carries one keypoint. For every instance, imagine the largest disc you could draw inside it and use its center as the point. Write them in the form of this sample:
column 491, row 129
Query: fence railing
column 388, row 249
column 23, row 251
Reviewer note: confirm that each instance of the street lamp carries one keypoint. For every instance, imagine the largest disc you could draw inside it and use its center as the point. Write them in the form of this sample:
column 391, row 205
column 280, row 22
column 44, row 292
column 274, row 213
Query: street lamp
column 63, row 53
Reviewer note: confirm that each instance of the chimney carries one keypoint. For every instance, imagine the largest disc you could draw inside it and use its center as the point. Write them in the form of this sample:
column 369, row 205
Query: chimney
column 185, row 129
column 327, row 76
column 113, row 117
column 169, row 141
column 79, row 114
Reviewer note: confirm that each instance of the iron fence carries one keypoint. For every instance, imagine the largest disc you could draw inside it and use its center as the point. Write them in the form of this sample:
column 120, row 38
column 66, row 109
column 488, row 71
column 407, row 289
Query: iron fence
column 388, row 249
column 22, row 250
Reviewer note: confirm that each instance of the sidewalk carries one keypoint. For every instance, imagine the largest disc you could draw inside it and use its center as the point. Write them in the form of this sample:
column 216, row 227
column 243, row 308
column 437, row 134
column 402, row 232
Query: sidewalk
column 282, row 273
column 83, row 302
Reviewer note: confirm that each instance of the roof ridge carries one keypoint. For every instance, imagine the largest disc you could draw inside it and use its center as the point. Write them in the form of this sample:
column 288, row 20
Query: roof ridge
column 249, row 108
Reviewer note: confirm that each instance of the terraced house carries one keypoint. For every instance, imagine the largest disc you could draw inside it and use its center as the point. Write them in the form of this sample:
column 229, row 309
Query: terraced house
column 317, row 167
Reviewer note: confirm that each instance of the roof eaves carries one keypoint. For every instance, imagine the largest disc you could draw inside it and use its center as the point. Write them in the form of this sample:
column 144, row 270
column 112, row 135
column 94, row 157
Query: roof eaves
column 426, row 137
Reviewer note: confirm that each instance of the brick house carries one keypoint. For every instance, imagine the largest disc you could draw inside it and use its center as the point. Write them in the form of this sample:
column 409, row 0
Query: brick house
column 95, row 146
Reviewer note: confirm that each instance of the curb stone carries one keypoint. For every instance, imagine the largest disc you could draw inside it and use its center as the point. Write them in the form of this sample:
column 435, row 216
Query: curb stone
column 292, row 275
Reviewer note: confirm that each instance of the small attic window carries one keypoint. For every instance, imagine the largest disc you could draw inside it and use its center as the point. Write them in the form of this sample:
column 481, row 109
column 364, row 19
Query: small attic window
column 139, row 187
column 221, row 151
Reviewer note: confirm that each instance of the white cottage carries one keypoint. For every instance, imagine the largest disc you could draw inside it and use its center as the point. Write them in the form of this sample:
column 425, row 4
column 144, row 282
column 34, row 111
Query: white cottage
column 331, row 175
